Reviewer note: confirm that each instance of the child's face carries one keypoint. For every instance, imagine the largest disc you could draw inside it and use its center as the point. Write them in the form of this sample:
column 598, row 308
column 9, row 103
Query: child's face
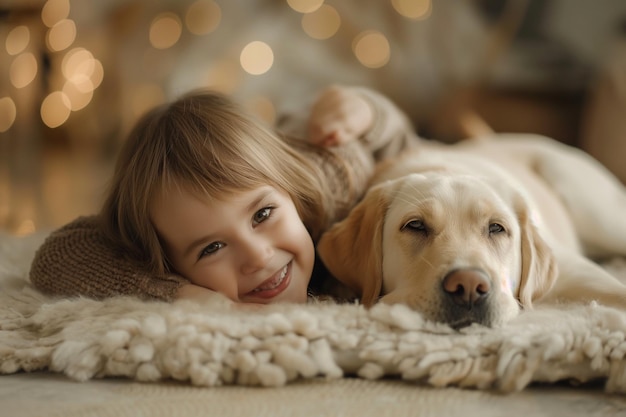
column 250, row 246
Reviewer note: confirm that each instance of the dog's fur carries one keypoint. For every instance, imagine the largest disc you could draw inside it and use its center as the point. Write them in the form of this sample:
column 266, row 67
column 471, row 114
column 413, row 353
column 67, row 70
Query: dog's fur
column 472, row 232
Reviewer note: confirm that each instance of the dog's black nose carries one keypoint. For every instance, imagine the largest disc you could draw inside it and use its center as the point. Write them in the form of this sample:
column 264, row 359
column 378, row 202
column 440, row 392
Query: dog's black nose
column 467, row 287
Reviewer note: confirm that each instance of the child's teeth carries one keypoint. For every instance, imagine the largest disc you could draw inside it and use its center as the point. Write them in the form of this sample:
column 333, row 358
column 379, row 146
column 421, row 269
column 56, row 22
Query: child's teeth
column 274, row 283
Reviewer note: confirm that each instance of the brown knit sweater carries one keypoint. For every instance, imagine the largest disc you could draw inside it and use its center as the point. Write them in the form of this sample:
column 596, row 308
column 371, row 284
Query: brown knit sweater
column 76, row 260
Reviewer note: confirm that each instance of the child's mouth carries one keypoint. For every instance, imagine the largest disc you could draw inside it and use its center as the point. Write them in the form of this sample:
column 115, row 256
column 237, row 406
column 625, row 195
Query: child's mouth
column 274, row 285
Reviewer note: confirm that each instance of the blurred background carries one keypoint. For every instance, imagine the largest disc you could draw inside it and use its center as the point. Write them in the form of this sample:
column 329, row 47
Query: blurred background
column 76, row 74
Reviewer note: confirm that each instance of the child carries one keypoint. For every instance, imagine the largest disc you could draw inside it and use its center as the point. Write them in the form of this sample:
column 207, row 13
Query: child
column 206, row 200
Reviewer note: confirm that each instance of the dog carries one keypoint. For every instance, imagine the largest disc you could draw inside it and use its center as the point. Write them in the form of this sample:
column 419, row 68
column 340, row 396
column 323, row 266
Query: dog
column 476, row 231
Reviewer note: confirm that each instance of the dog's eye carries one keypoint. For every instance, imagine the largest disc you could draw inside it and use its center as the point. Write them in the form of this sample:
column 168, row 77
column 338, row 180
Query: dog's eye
column 415, row 225
column 495, row 228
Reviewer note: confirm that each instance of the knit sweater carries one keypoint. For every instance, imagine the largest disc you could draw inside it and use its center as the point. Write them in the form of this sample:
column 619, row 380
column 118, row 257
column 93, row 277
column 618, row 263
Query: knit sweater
column 77, row 260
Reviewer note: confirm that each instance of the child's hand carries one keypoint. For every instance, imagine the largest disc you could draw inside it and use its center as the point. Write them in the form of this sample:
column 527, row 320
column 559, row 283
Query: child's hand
column 339, row 115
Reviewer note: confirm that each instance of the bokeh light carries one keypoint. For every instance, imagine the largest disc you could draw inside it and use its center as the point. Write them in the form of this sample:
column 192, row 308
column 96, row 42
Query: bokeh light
column 144, row 97
column 413, row 9
column 98, row 74
column 8, row 112
column 305, row 6
column 77, row 62
column 165, row 30
column 263, row 108
column 61, row 36
column 82, row 69
column 225, row 76
column 17, row 40
column 79, row 92
column 322, row 23
column 203, row 16
column 371, row 48
column 23, row 70
column 256, row 58
column 25, row 228
column 55, row 109
column 53, row 11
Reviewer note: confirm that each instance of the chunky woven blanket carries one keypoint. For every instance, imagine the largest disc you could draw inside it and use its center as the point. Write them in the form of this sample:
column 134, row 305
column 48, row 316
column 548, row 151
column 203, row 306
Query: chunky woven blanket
column 209, row 345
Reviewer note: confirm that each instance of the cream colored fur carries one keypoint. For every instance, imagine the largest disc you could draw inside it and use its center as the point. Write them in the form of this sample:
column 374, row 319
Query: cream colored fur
column 429, row 213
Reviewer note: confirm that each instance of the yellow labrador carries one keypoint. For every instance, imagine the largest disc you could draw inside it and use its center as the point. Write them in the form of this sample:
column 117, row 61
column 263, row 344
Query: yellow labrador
column 469, row 233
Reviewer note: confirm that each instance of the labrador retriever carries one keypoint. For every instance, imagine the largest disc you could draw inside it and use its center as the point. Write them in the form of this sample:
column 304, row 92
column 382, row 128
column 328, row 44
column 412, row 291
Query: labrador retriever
column 473, row 232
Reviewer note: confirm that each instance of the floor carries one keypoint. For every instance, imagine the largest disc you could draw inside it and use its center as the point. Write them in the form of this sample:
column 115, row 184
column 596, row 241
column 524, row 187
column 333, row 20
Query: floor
column 44, row 394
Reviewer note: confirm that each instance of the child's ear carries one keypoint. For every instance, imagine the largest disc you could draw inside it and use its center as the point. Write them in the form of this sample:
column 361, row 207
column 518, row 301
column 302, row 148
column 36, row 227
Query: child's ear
column 352, row 248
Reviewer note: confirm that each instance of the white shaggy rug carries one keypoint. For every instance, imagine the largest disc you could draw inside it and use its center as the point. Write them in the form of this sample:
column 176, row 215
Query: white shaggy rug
column 205, row 345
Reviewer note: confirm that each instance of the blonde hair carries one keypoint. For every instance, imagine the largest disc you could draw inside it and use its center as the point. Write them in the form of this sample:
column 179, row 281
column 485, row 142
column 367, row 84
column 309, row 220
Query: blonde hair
column 205, row 142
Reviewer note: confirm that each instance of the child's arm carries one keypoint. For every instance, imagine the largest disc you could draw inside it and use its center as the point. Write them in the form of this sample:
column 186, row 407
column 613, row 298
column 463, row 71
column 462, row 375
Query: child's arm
column 343, row 114
column 76, row 260
column 359, row 127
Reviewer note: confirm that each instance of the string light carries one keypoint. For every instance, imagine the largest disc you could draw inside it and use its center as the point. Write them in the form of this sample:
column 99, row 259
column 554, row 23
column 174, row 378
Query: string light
column 23, row 70
column 17, row 40
column 203, row 16
column 371, row 48
column 79, row 93
column 8, row 113
column 165, row 30
column 54, row 11
column 55, row 109
column 144, row 97
column 262, row 107
column 256, row 58
column 413, row 9
column 25, row 228
column 225, row 76
column 322, row 23
column 61, row 36
column 305, row 6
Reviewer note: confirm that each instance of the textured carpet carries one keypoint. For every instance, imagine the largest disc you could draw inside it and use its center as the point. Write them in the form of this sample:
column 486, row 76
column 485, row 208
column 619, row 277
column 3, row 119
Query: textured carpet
column 206, row 345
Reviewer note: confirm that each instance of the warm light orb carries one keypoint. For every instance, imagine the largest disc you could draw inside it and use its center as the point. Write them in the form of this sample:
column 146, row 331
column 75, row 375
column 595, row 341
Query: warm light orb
column 79, row 91
column 225, row 76
column 263, row 108
column 256, row 58
column 98, row 74
column 17, row 40
column 25, row 228
column 371, row 48
column 413, row 9
column 77, row 61
column 55, row 109
column 61, row 35
column 144, row 97
column 23, row 70
column 165, row 30
column 305, row 6
column 81, row 68
column 54, row 11
column 322, row 23
column 203, row 16
column 8, row 112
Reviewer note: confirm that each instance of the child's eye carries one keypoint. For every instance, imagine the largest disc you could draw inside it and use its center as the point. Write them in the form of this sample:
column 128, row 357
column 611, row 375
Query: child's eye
column 262, row 215
column 211, row 248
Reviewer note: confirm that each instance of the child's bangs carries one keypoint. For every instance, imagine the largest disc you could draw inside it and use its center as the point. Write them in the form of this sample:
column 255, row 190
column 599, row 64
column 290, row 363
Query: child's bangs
column 218, row 170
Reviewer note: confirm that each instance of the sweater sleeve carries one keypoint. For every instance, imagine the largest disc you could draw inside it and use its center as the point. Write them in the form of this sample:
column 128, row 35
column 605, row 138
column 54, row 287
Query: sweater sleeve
column 76, row 260
column 392, row 131
column 350, row 166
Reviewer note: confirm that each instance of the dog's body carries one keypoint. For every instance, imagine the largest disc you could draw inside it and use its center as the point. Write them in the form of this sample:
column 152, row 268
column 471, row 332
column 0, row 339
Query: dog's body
column 470, row 232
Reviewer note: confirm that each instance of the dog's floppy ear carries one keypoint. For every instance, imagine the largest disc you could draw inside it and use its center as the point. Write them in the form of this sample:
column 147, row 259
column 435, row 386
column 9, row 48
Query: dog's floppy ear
column 539, row 267
column 352, row 248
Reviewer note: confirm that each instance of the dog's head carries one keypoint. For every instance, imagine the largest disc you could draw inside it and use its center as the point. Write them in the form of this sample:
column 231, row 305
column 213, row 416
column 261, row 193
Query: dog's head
column 458, row 249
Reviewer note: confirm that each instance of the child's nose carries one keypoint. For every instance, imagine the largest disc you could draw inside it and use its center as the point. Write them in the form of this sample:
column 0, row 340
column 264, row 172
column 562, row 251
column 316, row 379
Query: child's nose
column 256, row 255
